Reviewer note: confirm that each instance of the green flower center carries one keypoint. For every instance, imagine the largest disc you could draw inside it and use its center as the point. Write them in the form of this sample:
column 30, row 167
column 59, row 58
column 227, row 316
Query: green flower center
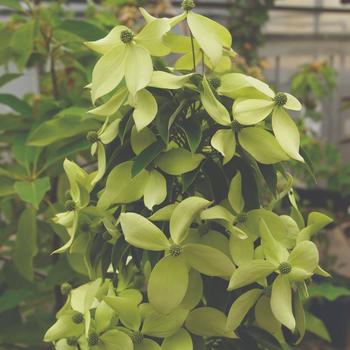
column 78, row 318
column 72, row 341
column 241, row 218
column 66, row 288
column 188, row 5
column 93, row 339
column 235, row 126
column 69, row 205
column 175, row 250
column 92, row 136
column 126, row 36
column 215, row 82
column 285, row 268
column 280, row 99
column 137, row 337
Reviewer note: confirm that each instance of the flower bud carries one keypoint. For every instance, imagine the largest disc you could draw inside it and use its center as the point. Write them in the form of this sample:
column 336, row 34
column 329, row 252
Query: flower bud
column 188, row 5
column 65, row 288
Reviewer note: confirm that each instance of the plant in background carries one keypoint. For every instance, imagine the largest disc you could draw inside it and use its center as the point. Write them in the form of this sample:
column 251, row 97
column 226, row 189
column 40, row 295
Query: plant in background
column 37, row 132
column 176, row 225
column 246, row 21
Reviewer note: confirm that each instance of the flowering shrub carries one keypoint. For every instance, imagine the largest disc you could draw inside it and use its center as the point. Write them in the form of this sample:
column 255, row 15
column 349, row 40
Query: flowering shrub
column 176, row 228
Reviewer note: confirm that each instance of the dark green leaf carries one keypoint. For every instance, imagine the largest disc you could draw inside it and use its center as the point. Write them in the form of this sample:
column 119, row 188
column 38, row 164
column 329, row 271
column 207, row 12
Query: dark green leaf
column 14, row 4
column 13, row 297
column 193, row 132
column 33, row 191
column 270, row 176
column 22, row 43
column 166, row 112
column 328, row 291
column 82, row 28
column 68, row 149
column 6, row 78
column 216, row 178
column 6, row 187
column 188, row 179
column 16, row 104
column 308, row 164
column 316, row 326
column 68, row 123
column 26, row 243
column 146, row 157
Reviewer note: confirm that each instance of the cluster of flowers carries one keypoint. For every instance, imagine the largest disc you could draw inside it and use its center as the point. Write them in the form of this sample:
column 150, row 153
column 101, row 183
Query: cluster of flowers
column 165, row 125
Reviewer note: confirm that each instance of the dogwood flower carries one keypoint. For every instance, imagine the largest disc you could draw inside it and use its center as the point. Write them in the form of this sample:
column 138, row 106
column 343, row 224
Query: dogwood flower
column 253, row 110
column 127, row 55
column 295, row 266
column 165, row 293
column 257, row 141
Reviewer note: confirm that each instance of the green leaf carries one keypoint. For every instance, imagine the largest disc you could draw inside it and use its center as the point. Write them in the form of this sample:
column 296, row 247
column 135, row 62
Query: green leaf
column 6, row 187
column 316, row 326
column 22, row 43
column 13, row 297
column 142, row 233
column 208, row 261
column 68, row 123
column 183, row 216
column 33, row 191
column 146, row 157
column 16, row 104
column 167, row 112
column 178, row 161
column 82, row 28
column 328, row 291
column 168, row 283
column 14, row 4
column 208, row 322
column 6, row 78
column 193, row 132
column 26, row 243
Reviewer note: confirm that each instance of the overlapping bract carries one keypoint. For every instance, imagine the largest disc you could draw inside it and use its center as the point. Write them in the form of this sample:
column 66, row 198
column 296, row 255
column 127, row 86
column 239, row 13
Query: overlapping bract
column 159, row 208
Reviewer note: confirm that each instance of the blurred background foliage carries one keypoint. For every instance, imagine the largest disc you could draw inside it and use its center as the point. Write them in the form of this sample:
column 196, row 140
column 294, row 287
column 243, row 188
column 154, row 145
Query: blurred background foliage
column 39, row 130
